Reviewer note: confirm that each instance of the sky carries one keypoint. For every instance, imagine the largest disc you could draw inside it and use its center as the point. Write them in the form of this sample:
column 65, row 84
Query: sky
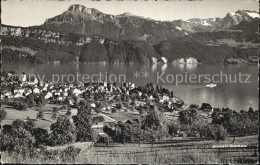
column 35, row 12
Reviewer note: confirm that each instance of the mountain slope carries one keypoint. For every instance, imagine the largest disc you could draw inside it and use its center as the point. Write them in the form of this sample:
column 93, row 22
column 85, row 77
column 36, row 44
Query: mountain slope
column 83, row 34
column 87, row 21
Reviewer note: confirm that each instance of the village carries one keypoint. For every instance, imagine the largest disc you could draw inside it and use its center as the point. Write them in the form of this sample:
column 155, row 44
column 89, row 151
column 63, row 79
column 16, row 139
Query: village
column 107, row 120
column 109, row 103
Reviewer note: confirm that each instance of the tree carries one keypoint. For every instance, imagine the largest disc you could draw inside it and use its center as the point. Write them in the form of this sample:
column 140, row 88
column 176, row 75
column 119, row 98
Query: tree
column 250, row 111
column 187, row 116
column 120, row 133
column 41, row 136
column 55, row 110
column 67, row 101
column 40, row 115
column 68, row 113
column 173, row 128
column 30, row 100
column 16, row 138
column 155, row 123
column 83, row 123
column 216, row 118
column 199, row 125
column 20, row 104
column 62, row 132
column 113, row 110
column 3, row 114
column 218, row 132
column 234, row 123
column 172, row 94
column 54, row 116
column 119, row 106
column 40, row 100
column 133, row 132
column 110, row 132
column 104, row 139
column 29, row 125
column 69, row 154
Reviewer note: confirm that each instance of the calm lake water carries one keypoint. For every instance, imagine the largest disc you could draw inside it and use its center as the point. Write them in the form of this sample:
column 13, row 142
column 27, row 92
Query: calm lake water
column 237, row 95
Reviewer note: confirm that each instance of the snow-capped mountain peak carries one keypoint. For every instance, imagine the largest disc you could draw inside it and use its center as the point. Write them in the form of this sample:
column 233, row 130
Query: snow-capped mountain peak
column 253, row 14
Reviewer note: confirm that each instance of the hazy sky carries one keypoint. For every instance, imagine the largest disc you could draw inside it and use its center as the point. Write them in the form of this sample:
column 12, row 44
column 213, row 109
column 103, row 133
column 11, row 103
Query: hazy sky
column 35, row 12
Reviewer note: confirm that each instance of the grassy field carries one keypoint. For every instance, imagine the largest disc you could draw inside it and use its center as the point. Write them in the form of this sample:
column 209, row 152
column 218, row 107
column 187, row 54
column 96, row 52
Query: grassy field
column 123, row 116
column 24, row 49
column 179, row 150
column 13, row 114
column 175, row 150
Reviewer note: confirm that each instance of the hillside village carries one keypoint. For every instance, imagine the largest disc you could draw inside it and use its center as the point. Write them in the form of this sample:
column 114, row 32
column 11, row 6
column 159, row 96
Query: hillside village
column 109, row 103
column 101, row 113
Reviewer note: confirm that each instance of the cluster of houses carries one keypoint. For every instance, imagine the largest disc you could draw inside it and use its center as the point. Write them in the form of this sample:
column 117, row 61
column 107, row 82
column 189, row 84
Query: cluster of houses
column 72, row 94
column 46, row 35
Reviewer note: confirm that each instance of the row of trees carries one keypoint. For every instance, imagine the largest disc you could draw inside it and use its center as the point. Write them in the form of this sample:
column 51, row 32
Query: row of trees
column 237, row 123
column 192, row 122
column 221, row 123
column 24, row 103
column 148, row 128
column 26, row 141
column 63, row 131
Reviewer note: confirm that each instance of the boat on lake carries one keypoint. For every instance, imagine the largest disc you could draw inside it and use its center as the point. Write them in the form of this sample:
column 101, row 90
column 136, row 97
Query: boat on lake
column 212, row 85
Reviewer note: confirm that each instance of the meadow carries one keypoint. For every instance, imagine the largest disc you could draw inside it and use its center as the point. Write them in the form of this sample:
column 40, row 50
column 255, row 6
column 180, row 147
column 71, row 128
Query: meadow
column 176, row 150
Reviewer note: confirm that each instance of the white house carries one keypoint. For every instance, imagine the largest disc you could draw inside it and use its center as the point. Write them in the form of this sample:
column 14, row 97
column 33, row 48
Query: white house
column 36, row 90
column 92, row 105
column 165, row 60
column 132, row 86
column 23, row 78
column 181, row 61
column 35, row 81
column 19, row 90
column 191, row 60
column 17, row 95
column 48, row 95
column 101, row 41
column 154, row 60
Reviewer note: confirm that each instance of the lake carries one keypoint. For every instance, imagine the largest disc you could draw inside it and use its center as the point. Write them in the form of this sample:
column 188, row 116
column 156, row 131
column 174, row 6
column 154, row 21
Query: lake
column 235, row 95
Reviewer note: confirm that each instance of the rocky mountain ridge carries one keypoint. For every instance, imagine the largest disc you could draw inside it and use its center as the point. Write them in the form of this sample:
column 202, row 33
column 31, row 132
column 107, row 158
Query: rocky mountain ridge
column 88, row 35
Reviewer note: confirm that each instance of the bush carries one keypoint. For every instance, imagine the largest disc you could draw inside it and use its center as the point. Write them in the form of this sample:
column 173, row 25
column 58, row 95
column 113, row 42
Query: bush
column 17, row 138
column 3, row 114
column 68, row 113
column 20, row 104
column 40, row 115
column 104, row 139
column 69, row 154
column 41, row 136
column 62, row 132
column 218, row 132
column 83, row 122
column 55, row 110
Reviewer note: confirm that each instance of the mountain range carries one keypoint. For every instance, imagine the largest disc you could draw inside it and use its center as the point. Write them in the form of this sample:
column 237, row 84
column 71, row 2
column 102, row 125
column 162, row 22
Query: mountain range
column 88, row 35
